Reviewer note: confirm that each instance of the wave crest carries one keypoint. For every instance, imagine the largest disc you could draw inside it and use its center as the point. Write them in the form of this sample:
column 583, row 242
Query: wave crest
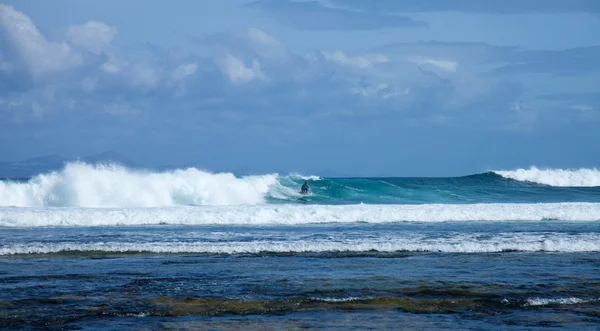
column 84, row 185
column 555, row 177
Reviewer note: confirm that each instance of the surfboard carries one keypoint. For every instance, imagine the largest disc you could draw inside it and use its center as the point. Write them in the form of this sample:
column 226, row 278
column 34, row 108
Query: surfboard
column 306, row 194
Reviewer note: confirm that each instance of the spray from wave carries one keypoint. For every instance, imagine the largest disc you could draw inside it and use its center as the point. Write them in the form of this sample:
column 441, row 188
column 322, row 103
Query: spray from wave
column 83, row 185
column 555, row 177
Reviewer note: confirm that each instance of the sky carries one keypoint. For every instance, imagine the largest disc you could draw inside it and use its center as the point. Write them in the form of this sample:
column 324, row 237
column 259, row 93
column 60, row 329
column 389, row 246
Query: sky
column 348, row 87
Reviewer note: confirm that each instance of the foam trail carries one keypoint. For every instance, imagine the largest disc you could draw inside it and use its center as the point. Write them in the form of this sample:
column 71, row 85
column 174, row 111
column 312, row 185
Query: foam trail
column 295, row 214
column 559, row 301
column 555, row 177
column 349, row 299
column 456, row 243
column 83, row 185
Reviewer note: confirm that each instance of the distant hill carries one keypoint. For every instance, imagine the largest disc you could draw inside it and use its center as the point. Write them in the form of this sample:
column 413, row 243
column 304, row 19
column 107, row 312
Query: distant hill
column 53, row 162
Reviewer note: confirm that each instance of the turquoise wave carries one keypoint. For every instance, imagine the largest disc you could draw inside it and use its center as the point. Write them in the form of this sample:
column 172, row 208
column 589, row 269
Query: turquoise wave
column 487, row 187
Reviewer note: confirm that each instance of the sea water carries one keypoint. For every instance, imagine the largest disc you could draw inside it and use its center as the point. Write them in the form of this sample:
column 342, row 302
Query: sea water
column 109, row 248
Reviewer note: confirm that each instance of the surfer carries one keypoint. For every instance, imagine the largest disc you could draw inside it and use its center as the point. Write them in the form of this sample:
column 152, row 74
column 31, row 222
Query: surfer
column 304, row 189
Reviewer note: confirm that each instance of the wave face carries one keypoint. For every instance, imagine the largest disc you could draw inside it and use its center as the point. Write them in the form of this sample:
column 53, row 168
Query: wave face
column 112, row 186
column 555, row 177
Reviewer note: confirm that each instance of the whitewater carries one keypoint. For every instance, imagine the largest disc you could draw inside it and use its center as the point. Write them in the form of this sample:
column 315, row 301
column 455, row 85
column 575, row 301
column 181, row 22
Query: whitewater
column 292, row 214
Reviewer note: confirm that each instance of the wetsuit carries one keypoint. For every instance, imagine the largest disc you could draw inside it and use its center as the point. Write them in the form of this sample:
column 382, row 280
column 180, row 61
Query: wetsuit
column 304, row 188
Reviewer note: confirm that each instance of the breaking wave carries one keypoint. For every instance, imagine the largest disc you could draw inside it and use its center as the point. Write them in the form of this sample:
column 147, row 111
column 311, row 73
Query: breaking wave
column 113, row 186
column 555, row 177
column 408, row 242
column 83, row 185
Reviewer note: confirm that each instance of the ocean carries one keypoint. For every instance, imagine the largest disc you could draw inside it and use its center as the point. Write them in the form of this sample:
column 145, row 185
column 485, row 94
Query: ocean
column 109, row 248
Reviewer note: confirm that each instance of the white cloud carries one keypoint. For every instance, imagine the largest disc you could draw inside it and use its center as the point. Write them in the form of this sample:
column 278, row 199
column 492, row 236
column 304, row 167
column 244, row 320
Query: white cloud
column 250, row 43
column 262, row 37
column 112, row 65
column 184, row 70
column 446, row 65
column 362, row 62
column 582, row 107
column 237, row 72
column 29, row 47
column 92, row 36
column 16, row 103
column 143, row 75
column 381, row 90
column 266, row 45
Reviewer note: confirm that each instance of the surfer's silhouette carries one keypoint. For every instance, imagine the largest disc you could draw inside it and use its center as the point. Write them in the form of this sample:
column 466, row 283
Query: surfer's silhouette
column 304, row 188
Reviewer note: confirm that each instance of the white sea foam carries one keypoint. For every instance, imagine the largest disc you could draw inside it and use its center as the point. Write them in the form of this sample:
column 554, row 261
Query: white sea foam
column 295, row 175
column 404, row 242
column 349, row 299
column 555, row 177
column 273, row 214
column 558, row 301
column 83, row 185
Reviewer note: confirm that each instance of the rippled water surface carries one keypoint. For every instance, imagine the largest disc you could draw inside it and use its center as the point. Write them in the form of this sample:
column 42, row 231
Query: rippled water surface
column 277, row 277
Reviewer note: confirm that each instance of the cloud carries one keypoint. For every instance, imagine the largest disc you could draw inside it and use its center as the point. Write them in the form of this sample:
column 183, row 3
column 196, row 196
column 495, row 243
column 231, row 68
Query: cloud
column 111, row 67
column 581, row 97
column 121, row 110
column 183, row 71
column 582, row 107
column 30, row 49
column 247, row 43
column 314, row 15
column 474, row 53
column 250, row 54
column 477, row 6
column 31, row 106
column 250, row 71
column 446, row 65
column 143, row 75
column 265, row 45
column 92, row 36
column 235, row 69
column 584, row 103
column 572, row 61
column 363, row 62
column 500, row 60
column 383, row 91
column 85, row 58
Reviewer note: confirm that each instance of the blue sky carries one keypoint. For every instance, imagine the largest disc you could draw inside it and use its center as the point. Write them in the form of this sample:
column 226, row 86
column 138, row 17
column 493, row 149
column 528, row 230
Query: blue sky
column 381, row 87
